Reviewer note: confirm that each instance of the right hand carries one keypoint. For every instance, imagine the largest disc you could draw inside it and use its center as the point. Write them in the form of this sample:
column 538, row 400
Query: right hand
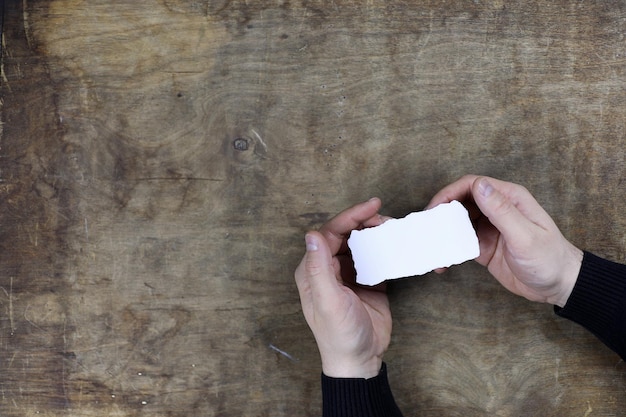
column 520, row 244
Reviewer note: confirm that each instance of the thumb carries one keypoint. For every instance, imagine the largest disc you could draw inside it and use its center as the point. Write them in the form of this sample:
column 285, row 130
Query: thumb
column 514, row 226
column 317, row 267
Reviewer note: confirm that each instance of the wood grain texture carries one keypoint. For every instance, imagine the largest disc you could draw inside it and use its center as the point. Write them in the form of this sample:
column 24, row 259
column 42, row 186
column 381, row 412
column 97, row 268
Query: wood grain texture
column 160, row 162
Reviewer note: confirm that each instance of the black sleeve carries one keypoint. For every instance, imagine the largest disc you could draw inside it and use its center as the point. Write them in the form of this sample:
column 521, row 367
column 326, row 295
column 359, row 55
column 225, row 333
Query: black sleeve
column 598, row 301
column 357, row 397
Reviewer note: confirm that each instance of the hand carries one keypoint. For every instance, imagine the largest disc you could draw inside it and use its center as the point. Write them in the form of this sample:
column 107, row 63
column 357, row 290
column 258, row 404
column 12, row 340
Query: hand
column 351, row 324
column 519, row 242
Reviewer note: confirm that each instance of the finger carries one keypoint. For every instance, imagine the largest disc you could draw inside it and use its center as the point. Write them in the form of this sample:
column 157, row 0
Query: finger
column 488, row 236
column 316, row 269
column 383, row 219
column 339, row 227
column 460, row 190
column 523, row 200
column 502, row 211
column 375, row 220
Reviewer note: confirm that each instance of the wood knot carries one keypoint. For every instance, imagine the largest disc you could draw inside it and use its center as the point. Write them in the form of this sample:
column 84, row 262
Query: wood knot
column 241, row 144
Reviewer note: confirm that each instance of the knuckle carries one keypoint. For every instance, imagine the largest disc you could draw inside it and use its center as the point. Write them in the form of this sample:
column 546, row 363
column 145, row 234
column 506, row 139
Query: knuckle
column 502, row 206
column 313, row 268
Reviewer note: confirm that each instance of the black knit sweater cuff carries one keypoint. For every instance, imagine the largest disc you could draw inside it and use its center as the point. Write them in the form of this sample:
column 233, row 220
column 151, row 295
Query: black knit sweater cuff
column 358, row 397
column 598, row 301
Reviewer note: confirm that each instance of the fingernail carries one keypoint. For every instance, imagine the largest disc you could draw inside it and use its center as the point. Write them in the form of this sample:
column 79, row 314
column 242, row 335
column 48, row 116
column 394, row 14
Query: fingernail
column 372, row 199
column 485, row 188
column 311, row 243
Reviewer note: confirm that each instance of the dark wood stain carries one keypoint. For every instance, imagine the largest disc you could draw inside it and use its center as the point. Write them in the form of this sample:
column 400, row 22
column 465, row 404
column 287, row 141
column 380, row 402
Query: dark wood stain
column 160, row 163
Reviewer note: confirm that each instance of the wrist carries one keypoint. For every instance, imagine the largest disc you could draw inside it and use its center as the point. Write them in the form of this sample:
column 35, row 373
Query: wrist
column 351, row 368
column 571, row 268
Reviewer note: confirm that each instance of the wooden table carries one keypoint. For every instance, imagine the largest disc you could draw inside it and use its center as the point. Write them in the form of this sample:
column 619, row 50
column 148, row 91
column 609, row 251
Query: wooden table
column 161, row 161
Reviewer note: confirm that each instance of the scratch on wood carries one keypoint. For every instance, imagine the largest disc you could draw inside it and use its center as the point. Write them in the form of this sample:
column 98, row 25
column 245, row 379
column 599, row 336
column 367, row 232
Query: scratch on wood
column 1, row 27
column 282, row 352
column 556, row 372
column 64, row 376
column 260, row 139
column 29, row 320
column 26, row 24
column 11, row 306
column 589, row 410
column 175, row 179
column 11, row 360
column 423, row 44
column 2, row 73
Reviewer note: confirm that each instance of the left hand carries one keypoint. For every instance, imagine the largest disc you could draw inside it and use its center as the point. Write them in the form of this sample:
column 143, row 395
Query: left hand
column 351, row 324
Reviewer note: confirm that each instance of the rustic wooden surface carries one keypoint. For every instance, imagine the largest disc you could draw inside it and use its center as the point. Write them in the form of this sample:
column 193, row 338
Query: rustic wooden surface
column 161, row 160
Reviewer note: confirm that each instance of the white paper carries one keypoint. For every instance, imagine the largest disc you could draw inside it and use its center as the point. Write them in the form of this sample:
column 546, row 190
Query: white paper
column 414, row 245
